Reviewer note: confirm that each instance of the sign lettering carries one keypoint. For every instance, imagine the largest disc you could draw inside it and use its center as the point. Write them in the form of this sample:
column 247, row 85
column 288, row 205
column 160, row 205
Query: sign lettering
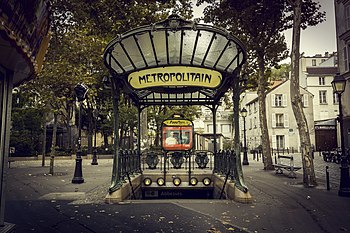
column 175, row 76
column 177, row 122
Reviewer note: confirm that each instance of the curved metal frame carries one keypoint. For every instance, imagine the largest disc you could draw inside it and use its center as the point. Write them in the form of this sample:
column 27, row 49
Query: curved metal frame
column 173, row 95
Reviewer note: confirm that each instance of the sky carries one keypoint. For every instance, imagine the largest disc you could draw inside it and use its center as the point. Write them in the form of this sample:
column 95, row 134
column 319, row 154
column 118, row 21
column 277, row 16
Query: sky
column 314, row 40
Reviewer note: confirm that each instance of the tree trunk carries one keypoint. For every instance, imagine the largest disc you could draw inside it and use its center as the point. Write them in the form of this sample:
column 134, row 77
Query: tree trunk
column 309, row 178
column 53, row 144
column 265, row 140
column 105, row 140
column 43, row 151
column 89, row 139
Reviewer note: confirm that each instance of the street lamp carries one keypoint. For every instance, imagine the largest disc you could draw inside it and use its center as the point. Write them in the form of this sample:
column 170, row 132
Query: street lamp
column 339, row 84
column 80, row 92
column 245, row 156
column 94, row 152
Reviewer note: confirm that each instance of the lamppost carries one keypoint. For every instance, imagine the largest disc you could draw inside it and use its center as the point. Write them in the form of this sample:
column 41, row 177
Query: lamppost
column 94, row 152
column 339, row 84
column 245, row 156
column 80, row 92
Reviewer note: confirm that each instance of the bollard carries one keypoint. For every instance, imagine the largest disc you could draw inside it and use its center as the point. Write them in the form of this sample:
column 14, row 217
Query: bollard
column 327, row 178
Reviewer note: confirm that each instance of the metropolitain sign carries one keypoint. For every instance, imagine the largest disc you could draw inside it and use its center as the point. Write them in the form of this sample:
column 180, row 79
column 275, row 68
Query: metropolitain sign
column 175, row 76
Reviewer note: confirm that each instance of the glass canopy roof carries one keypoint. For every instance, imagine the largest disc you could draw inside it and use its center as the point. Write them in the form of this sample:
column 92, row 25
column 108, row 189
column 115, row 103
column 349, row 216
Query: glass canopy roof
column 175, row 44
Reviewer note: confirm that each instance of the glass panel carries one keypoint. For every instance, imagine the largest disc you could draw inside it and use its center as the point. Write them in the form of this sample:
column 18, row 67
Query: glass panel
column 229, row 54
column 123, row 60
column 172, row 96
column 159, row 44
column 146, row 47
column 217, row 46
column 157, row 95
column 188, row 45
column 202, row 46
column 174, row 40
column 115, row 66
column 133, row 51
column 234, row 65
column 188, row 95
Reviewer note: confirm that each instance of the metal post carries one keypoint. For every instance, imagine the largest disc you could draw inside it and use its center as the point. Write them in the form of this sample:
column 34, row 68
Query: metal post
column 245, row 155
column 94, row 152
column 139, row 139
column 214, row 111
column 78, row 172
column 327, row 178
column 344, row 188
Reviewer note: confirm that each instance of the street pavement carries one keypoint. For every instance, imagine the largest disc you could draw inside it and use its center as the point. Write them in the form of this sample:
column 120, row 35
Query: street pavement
column 38, row 202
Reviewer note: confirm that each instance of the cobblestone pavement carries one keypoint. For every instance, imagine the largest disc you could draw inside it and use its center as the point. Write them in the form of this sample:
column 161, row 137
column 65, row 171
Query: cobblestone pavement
column 39, row 202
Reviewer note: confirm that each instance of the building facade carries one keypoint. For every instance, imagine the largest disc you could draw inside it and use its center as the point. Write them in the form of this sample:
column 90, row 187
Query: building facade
column 342, row 19
column 315, row 75
column 281, row 123
column 204, row 127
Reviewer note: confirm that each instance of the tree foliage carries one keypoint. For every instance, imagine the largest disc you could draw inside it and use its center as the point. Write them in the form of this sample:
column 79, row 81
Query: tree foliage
column 81, row 29
column 258, row 24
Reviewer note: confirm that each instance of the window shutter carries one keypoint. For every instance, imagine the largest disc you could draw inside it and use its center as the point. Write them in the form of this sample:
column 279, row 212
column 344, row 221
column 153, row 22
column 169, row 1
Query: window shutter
column 274, row 142
column 284, row 99
column 286, row 121
column 286, row 141
column 273, row 100
column 273, row 120
column 345, row 56
column 306, row 100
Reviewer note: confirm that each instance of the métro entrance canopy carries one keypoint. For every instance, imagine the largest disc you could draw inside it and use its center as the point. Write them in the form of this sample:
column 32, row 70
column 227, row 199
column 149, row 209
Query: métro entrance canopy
column 175, row 62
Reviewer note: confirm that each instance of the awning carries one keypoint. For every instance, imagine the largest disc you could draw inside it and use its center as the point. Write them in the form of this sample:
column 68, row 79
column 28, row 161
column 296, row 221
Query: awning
column 175, row 62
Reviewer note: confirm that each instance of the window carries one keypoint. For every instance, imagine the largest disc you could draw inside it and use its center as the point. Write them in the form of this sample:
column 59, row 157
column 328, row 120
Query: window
column 254, row 122
column 210, row 128
column 346, row 52
column 280, row 141
column 280, row 120
column 250, row 123
column 347, row 17
column 321, row 81
column 335, row 98
column 313, row 62
column 279, row 100
column 225, row 128
column 255, row 108
column 323, row 97
column 305, row 100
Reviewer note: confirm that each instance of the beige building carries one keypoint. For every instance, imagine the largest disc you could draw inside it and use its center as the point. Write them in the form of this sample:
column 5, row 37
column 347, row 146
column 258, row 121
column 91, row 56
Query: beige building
column 342, row 18
column 315, row 75
column 281, row 123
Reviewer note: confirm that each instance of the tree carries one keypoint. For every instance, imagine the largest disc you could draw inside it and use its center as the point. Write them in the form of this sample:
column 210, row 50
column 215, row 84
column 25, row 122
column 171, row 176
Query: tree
column 257, row 23
column 281, row 72
column 311, row 16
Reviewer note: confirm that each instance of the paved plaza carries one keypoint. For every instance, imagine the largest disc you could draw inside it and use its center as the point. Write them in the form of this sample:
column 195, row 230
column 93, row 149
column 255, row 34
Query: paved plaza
column 38, row 202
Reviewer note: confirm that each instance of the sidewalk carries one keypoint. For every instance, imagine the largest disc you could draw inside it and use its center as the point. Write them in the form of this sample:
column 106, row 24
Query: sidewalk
column 38, row 202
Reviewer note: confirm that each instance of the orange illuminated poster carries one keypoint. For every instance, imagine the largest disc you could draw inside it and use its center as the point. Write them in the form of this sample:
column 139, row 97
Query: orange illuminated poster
column 177, row 138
